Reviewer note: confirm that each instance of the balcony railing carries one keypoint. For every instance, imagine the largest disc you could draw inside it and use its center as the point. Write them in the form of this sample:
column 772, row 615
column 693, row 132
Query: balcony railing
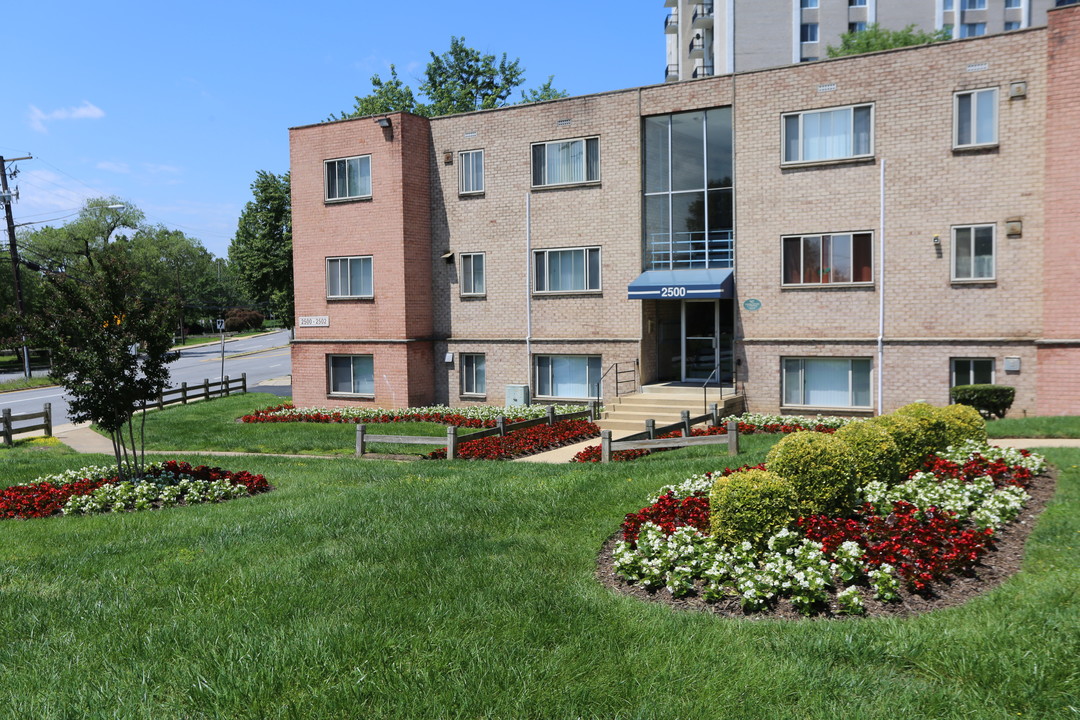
column 671, row 73
column 703, row 15
column 697, row 48
column 702, row 71
column 688, row 250
column 671, row 23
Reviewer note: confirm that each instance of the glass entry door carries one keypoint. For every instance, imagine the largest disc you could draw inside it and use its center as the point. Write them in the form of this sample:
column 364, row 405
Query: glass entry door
column 700, row 340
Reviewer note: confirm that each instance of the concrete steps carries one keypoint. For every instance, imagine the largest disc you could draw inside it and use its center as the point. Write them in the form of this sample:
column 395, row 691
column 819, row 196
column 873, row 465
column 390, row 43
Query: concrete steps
column 664, row 404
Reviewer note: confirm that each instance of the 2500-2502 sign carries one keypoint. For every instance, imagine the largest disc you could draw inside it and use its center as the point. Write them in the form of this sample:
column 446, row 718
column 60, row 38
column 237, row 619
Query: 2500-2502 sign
column 673, row 291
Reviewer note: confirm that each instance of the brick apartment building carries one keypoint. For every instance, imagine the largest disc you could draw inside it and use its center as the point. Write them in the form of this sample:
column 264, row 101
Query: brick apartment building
column 844, row 236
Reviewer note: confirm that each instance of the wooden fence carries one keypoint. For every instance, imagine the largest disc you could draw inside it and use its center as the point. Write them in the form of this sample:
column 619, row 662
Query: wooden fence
column 649, row 440
column 453, row 440
column 204, row 391
column 8, row 429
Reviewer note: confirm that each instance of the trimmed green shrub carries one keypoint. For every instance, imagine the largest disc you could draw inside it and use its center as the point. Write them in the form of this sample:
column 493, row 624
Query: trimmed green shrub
column 963, row 422
column 990, row 400
column 910, row 437
column 875, row 455
column 819, row 467
column 935, row 429
column 750, row 505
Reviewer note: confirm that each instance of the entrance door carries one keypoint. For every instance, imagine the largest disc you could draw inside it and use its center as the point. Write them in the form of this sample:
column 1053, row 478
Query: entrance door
column 700, row 335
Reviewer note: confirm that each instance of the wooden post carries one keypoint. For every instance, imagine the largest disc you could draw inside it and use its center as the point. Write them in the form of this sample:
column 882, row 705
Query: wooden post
column 206, row 388
column 7, row 426
column 451, row 442
column 243, row 383
column 160, row 400
column 594, row 410
column 605, row 446
column 225, row 385
column 183, row 393
column 360, row 431
column 551, row 415
column 500, row 423
column 48, row 419
column 684, row 417
column 732, row 437
column 650, row 428
column 714, row 410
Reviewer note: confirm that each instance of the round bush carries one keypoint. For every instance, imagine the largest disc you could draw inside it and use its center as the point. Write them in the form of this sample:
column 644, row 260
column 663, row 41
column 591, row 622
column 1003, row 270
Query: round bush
column 910, row 438
column 874, row 453
column 963, row 422
column 819, row 467
column 750, row 505
column 935, row 430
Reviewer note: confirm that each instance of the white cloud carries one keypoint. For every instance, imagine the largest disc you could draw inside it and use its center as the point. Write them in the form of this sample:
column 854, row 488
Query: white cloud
column 116, row 167
column 86, row 111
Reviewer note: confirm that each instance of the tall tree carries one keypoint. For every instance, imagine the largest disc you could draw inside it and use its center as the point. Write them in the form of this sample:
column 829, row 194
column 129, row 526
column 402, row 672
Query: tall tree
column 875, row 38
column 260, row 253
column 176, row 266
column 110, row 345
column 462, row 79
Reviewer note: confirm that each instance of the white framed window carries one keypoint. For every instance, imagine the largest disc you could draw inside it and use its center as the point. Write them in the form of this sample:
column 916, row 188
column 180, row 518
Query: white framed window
column 947, row 5
column 856, row 3
column 844, row 258
column 567, row 376
column 854, row 27
column 975, row 117
column 473, row 374
column 566, row 162
column 973, row 252
column 471, row 172
column 351, row 374
column 826, row 382
column 833, row 134
column 808, row 4
column 808, row 33
column 348, row 178
column 974, row 4
column 1012, row 4
column 971, row 371
column 968, row 30
column 349, row 277
column 567, row 270
column 472, row 274
column 1011, row 25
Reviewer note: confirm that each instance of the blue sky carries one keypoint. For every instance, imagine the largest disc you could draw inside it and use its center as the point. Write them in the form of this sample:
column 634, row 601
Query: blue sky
column 175, row 106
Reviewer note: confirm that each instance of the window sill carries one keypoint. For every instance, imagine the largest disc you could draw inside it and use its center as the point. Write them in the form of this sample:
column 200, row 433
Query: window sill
column 473, row 296
column 565, row 399
column 473, row 396
column 471, row 195
column 854, row 160
column 975, row 149
column 986, row 282
column 829, row 286
column 563, row 186
column 341, row 298
column 342, row 201
column 355, row 396
column 823, row 409
column 565, row 293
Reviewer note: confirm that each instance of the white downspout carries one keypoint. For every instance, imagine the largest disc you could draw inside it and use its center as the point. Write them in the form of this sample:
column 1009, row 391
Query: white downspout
column 528, row 292
column 881, row 299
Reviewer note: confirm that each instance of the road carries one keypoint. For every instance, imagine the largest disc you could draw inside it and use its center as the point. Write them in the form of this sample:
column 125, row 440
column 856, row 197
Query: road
column 263, row 358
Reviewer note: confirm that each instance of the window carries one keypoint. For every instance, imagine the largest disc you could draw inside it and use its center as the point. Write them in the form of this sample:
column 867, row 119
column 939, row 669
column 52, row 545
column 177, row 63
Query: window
column 348, row 178
column 828, row 134
column 968, row 30
column 856, row 3
column 827, row 259
column 349, row 277
column 567, row 376
column 574, row 270
column 1012, row 25
column 473, row 379
column 808, row 4
column 352, row 375
column 827, row 382
column 854, row 27
column 972, row 371
column 975, row 115
column 973, row 252
column 471, row 163
column 472, row 274
column 566, row 162
column 808, row 32
column 974, row 4
column 947, row 6
column 689, row 214
column 809, row 58
column 1012, row 4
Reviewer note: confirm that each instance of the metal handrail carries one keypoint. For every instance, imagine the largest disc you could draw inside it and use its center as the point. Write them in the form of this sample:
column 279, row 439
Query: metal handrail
column 705, row 388
column 614, row 366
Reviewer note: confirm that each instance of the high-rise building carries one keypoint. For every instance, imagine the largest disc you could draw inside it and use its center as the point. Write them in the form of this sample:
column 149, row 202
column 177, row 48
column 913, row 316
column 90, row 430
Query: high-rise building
column 725, row 36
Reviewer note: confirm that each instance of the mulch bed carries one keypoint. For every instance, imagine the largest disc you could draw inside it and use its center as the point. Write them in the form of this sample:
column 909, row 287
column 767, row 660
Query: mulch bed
column 999, row 564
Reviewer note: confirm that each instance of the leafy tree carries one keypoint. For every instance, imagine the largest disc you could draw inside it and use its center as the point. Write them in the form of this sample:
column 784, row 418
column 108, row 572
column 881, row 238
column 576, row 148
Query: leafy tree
column 544, row 92
column 386, row 97
column 875, row 38
column 261, row 251
column 462, row 79
column 110, row 345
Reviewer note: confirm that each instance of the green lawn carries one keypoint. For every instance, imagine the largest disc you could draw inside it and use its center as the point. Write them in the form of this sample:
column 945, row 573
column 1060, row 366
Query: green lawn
column 26, row 383
column 466, row 589
column 1066, row 426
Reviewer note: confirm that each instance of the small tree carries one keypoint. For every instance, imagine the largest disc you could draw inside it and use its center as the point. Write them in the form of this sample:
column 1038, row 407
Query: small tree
column 875, row 38
column 110, row 347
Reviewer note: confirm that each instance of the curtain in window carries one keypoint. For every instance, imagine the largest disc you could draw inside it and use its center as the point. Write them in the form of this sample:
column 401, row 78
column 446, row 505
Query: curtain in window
column 827, row 134
column 360, row 276
column 352, row 374
column 565, row 162
column 984, row 252
column 986, row 111
column 569, row 376
column 826, row 382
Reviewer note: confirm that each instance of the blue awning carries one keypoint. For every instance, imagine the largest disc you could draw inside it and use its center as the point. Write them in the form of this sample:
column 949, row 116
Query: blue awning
column 682, row 284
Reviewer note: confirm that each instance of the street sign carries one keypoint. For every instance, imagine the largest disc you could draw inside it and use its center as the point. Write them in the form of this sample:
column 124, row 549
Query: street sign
column 220, row 324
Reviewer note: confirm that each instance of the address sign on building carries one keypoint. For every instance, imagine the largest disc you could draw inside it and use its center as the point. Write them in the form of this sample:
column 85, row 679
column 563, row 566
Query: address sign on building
column 315, row 321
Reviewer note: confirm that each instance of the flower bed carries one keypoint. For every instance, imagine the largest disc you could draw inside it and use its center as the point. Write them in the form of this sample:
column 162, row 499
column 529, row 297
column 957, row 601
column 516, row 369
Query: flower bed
column 911, row 536
column 473, row 416
column 521, row 443
column 99, row 489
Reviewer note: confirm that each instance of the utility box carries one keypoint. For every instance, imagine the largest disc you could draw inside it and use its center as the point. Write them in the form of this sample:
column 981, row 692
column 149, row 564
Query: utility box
column 517, row 395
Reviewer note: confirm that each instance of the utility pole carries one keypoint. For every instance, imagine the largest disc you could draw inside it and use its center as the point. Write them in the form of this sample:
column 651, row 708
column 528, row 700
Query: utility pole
column 7, row 200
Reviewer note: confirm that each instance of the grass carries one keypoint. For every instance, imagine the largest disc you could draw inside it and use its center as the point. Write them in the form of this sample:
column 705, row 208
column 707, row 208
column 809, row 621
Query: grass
column 1066, row 426
column 26, row 383
column 464, row 589
column 216, row 337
